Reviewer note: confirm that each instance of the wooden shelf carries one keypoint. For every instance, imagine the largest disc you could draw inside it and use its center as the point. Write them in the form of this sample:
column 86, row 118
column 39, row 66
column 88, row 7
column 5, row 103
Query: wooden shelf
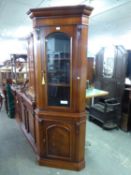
column 59, row 84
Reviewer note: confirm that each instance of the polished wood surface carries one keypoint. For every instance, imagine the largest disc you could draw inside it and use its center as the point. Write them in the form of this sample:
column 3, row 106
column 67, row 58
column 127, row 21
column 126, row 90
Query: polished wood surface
column 31, row 62
column 63, row 130
column 24, row 114
column 57, row 132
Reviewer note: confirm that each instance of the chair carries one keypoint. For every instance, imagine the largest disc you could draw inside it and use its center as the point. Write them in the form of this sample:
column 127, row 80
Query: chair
column 109, row 78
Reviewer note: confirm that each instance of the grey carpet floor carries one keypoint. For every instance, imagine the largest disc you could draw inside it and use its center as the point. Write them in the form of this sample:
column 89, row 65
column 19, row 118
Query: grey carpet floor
column 106, row 152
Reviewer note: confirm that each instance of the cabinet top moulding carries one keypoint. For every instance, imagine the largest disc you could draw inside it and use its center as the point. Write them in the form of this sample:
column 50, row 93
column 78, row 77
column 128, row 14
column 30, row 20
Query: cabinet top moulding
column 78, row 12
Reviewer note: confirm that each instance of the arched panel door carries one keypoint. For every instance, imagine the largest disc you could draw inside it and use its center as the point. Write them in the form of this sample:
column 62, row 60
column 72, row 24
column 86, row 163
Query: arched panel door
column 59, row 141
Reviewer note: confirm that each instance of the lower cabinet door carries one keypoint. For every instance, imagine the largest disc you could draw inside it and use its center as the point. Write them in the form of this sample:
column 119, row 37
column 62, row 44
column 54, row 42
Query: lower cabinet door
column 58, row 140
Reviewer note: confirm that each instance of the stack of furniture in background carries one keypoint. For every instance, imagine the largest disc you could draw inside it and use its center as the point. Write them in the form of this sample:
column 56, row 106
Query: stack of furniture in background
column 15, row 76
column 110, row 73
column 90, row 70
column 5, row 72
column 126, row 100
column 90, row 78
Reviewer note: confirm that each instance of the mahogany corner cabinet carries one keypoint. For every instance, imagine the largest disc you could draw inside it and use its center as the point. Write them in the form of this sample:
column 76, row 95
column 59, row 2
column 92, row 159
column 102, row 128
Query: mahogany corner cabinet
column 59, row 43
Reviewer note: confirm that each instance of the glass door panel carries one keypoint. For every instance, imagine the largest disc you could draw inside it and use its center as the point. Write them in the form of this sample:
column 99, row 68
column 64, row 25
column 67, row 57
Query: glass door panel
column 58, row 69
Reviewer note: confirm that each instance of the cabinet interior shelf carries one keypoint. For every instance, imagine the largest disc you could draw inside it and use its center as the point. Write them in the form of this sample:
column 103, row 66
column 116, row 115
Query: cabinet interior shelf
column 59, row 84
column 57, row 71
column 59, row 59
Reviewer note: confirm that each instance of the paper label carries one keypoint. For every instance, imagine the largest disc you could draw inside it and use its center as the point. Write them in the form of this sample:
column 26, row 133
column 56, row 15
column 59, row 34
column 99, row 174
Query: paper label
column 64, row 102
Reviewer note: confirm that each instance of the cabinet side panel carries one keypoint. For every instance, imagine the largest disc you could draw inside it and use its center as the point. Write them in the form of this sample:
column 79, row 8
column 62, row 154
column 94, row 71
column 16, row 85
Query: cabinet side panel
column 79, row 68
column 80, row 139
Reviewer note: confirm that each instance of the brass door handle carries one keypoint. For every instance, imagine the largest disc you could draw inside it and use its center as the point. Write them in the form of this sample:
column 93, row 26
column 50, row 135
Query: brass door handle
column 43, row 78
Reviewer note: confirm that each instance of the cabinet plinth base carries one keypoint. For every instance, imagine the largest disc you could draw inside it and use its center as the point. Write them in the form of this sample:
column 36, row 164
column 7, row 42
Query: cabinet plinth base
column 61, row 164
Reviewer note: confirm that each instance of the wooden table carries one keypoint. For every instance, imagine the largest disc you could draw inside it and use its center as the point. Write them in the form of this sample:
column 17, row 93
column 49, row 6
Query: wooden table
column 92, row 93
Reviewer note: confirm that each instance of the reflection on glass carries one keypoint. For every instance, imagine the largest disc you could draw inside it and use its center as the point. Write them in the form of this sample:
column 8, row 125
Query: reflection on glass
column 19, row 69
column 108, row 63
column 58, row 69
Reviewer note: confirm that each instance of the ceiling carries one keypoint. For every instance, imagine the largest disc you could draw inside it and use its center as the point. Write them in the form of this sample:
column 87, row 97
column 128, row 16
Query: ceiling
column 115, row 20
column 108, row 15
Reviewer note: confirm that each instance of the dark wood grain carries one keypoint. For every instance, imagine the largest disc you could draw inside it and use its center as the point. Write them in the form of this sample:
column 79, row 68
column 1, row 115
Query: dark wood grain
column 57, row 132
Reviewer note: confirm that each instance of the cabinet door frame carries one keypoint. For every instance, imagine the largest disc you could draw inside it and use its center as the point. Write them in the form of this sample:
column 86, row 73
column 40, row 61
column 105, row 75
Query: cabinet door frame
column 52, row 125
column 44, row 33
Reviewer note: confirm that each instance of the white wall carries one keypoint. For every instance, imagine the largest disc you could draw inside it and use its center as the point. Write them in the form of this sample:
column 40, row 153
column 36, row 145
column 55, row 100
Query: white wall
column 9, row 46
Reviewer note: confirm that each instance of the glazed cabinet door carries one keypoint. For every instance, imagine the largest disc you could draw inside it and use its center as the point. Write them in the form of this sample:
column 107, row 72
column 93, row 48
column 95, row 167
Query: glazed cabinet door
column 57, row 68
column 60, row 68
